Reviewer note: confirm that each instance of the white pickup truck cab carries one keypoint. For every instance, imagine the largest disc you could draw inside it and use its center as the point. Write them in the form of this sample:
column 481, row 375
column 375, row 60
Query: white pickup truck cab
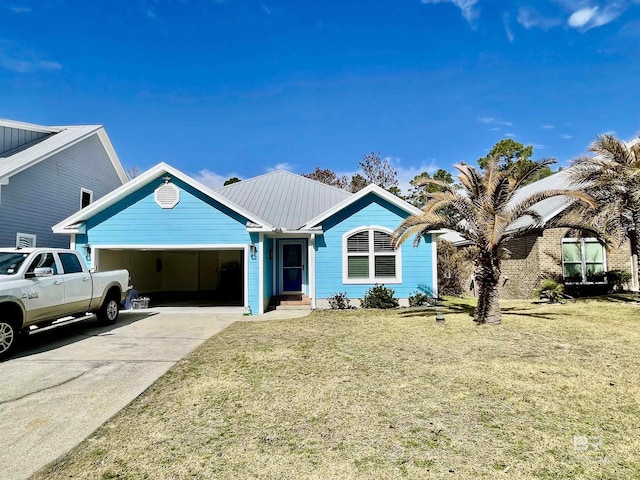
column 45, row 287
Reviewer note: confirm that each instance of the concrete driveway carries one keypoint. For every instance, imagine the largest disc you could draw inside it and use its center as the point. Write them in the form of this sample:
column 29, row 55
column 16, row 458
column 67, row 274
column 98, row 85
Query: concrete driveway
column 63, row 384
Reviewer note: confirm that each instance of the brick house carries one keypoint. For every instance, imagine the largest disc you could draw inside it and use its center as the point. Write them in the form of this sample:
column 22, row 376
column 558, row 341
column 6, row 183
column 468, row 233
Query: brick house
column 580, row 262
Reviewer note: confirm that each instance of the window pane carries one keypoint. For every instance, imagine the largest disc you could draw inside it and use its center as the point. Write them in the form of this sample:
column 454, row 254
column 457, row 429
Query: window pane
column 593, row 252
column 358, row 267
column 385, row 266
column 594, row 268
column 358, row 242
column 70, row 263
column 573, row 272
column 571, row 252
column 382, row 242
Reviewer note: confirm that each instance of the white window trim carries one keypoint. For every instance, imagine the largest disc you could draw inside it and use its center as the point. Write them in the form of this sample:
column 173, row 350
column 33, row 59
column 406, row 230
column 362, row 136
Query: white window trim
column 372, row 279
column 25, row 235
column 583, row 262
column 82, row 192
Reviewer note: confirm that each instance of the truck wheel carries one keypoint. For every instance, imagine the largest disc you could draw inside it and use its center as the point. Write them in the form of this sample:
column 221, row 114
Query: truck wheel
column 108, row 313
column 8, row 338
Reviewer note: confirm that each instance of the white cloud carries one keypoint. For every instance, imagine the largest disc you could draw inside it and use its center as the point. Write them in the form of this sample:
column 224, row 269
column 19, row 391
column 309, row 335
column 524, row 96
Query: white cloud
column 19, row 9
column 586, row 18
column 511, row 135
column 27, row 66
column 265, row 9
column 467, row 7
column 566, row 136
column 150, row 14
column 531, row 18
column 280, row 166
column 547, row 127
column 494, row 122
column 506, row 21
column 212, row 179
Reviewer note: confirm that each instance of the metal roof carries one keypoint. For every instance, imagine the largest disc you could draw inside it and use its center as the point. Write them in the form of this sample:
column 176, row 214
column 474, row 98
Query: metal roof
column 284, row 199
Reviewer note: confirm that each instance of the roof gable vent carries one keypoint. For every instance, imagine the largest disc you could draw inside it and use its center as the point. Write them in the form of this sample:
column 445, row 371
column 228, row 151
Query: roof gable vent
column 167, row 195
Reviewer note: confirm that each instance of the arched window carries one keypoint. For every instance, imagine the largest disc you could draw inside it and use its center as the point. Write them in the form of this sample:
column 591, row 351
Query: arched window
column 368, row 257
column 583, row 260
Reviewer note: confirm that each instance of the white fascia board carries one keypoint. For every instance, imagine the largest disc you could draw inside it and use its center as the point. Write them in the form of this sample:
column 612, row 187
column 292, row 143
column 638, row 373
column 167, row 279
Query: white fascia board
column 376, row 190
column 169, row 246
column 139, row 182
column 113, row 156
column 29, row 126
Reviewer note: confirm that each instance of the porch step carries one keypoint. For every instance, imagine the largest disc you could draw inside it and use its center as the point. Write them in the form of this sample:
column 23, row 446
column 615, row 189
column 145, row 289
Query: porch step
column 290, row 302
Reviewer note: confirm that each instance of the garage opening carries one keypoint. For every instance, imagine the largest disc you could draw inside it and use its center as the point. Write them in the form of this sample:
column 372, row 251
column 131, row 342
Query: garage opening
column 182, row 277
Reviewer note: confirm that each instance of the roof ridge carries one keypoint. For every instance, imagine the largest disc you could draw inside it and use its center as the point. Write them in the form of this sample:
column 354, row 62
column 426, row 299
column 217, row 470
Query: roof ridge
column 282, row 171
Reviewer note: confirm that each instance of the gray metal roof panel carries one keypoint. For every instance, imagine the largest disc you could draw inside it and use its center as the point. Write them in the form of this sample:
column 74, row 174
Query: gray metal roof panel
column 282, row 198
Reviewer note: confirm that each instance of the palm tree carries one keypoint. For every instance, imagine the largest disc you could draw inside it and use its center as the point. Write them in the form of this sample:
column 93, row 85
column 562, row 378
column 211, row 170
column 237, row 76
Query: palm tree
column 485, row 212
column 612, row 177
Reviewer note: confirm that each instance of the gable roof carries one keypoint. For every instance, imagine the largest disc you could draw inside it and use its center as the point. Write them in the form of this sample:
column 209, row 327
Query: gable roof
column 369, row 189
column 39, row 143
column 73, row 223
column 284, row 199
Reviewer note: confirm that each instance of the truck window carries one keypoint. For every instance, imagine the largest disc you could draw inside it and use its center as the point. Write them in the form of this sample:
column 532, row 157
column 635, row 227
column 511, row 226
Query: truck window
column 43, row 260
column 10, row 262
column 70, row 263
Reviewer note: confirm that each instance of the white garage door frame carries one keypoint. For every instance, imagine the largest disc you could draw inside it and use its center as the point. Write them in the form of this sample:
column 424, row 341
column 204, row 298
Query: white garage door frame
column 95, row 255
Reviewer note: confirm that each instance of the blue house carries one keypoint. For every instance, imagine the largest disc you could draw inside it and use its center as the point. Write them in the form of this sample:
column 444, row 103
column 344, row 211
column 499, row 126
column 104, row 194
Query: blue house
column 276, row 236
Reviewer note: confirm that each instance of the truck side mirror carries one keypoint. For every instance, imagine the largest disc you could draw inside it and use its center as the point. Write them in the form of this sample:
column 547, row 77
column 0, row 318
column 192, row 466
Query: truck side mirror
column 40, row 272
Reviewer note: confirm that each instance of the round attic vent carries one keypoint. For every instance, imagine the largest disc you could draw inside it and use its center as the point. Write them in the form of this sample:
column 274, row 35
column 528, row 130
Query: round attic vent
column 167, row 195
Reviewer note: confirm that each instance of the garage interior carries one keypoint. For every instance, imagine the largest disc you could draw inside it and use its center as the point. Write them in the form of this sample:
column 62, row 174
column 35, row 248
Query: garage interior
column 181, row 277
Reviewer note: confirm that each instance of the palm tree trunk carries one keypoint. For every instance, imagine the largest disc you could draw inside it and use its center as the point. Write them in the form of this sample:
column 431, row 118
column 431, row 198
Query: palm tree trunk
column 487, row 275
column 634, row 243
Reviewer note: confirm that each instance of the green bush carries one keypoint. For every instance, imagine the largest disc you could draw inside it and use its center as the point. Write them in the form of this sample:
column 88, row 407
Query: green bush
column 379, row 296
column 420, row 299
column 551, row 290
column 618, row 279
column 339, row 301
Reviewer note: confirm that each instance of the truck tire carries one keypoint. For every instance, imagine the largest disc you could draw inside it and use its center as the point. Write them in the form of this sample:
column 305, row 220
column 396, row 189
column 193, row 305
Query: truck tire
column 9, row 336
column 108, row 313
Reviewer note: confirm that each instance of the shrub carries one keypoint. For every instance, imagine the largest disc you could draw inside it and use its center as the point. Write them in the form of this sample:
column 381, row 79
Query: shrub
column 550, row 289
column 339, row 301
column 420, row 299
column 618, row 279
column 380, row 296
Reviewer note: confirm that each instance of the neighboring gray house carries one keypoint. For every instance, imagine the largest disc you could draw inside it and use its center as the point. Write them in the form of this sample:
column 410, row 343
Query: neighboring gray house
column 49, row 173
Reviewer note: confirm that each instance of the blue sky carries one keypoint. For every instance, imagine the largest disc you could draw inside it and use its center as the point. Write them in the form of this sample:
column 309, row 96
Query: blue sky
column 221, row 88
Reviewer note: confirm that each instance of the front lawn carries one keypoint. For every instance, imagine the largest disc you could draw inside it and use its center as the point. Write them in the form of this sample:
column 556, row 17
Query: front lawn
column 552, row 393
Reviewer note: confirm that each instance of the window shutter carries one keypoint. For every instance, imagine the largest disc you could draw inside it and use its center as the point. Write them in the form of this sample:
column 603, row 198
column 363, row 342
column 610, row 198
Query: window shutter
column 358, row 267
column 358, row 242
column 382, row 242
column 385, row 266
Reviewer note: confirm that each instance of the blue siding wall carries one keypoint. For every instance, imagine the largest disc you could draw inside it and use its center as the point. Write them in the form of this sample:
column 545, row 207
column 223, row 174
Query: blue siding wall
column 267, row 269
column 195, row 220
column 417, row 264
column 50, row 191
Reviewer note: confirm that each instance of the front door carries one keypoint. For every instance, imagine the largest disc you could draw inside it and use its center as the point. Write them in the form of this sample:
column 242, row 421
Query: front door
column 292, row 266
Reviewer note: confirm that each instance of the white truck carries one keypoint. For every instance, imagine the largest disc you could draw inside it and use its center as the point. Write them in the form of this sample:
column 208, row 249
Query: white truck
column 43, row 288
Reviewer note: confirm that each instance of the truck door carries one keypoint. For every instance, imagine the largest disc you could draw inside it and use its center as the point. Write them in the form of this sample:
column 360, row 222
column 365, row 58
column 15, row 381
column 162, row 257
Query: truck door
column 44, row 295
column 77, row 283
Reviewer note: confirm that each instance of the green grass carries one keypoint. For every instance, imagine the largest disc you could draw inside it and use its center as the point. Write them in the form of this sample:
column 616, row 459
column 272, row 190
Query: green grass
column 389, row 394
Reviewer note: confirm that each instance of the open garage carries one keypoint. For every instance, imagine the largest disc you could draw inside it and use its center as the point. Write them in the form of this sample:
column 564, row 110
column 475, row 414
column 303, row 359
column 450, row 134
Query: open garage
column 206, row 277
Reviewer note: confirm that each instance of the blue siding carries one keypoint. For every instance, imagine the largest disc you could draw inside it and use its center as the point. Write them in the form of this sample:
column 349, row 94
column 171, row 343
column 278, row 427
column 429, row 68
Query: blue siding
column 417, row 265
column 267, row 269
column 195, row 220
